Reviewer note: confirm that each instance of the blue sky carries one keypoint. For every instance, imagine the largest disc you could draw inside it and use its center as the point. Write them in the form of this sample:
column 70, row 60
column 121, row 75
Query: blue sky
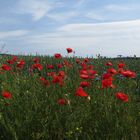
column 90, row 27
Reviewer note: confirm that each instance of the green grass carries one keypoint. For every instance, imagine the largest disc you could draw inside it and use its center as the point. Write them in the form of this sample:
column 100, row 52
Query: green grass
column 33, row 112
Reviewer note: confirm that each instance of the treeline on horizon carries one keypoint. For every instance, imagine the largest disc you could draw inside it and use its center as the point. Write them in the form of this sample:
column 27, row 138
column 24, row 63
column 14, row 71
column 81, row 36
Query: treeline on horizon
column 97, row 56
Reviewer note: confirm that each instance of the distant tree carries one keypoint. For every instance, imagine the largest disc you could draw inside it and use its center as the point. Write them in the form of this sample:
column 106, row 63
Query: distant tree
column 135, row 56
column 99, row 56
column 119, row 56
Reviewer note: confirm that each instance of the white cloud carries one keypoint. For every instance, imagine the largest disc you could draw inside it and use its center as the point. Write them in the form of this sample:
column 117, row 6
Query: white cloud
column 93, row 15
column 118, row 8
column 36, row 8
column 41, row 8
column 114, row 12
column 15, row 33
column 63, row 16
column 109, row 39
column 101, row 29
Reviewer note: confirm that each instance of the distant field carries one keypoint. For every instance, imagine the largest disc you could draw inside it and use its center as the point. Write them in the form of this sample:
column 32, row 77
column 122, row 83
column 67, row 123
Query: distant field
column 56, row 98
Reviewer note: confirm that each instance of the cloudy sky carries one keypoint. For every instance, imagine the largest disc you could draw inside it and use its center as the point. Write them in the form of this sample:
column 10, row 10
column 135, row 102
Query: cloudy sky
column 90, row 27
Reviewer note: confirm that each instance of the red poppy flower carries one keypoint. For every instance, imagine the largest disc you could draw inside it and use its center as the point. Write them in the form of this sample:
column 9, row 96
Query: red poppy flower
column 14, row 58
column 69, row 50
column 57, row 79
column 120, row 70
column 50, row 74
column 121, row 65
column 112, row 71
column 83, row 72
column 10, row 61
column 129, row 74
column 83, row 65
column 36, row 60
column 20, row 64
column 86, row 60
column 91, row 72
column 61, row 74
column 90, row 67
column 108, row 64
column 85, row 84
column 80, row 92
column 62, row 102
column 42, row 79
column 7, row 94
column 6, row 67
column 84, row 76
column 106, row 83
column 59, row 65
column 45, row 82
column 57, row 55
column 49, row 66
column 121, row 96
column 37, row 66
column 106, row 75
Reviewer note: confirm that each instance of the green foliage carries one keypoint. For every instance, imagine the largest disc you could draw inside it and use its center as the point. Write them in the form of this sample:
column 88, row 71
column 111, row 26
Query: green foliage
column 34, row 114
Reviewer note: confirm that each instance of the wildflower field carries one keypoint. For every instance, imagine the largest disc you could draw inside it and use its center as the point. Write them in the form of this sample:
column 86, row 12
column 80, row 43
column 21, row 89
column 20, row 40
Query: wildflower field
column 69, row 98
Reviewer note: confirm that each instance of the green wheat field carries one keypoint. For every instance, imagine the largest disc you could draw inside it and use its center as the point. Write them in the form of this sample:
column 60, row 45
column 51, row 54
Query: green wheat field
column 69, row 98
